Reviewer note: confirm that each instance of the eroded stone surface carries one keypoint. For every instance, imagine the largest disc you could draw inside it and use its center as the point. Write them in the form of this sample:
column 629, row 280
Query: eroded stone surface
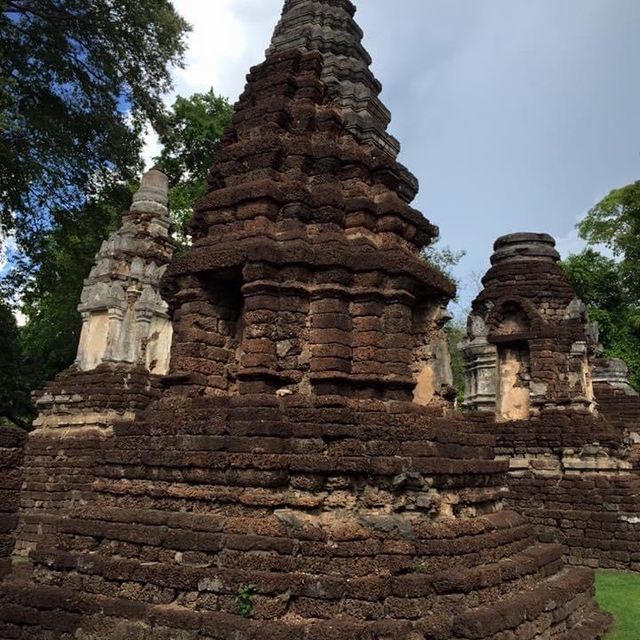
column 303, row 474
column 567, row 420
column 12, row 442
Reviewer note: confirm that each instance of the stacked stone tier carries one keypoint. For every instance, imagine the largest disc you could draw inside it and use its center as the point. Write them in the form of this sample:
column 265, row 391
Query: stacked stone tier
column 575, row 478
column 11, row 453
column 329, row 27
column 337, row 519
column 289, row 164
column 118, row 388
column 621, row 409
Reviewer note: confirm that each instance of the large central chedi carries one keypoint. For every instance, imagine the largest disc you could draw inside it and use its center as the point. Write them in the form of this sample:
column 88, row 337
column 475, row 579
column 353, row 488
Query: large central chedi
column 300, row 474
column 305, row 275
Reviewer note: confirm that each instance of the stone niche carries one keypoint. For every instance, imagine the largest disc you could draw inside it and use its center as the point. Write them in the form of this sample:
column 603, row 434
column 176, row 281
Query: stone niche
column 529, row 339
column 513, row 393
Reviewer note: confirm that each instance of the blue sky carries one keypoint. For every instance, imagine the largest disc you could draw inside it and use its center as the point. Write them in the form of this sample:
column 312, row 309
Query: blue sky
column 6, row 247
column 515, row 115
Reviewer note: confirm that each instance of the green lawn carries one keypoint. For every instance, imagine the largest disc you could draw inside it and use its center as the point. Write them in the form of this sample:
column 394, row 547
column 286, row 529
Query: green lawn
column 618, row 592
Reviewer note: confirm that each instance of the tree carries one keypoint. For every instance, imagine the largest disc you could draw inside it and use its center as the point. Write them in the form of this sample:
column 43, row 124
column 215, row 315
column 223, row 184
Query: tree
column 456, row 332
column 443, row 258
column 601, row 284
column 79, row 82
column 615, row 222
column 190, row 137
column 14, row 394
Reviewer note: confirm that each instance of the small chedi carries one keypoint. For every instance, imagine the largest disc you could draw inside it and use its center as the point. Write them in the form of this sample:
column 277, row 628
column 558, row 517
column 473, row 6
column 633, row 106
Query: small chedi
column 124, row 318
column 567, row 419
column 124, row 348
column 303, row 473
column 530, row 344
column 126, row 330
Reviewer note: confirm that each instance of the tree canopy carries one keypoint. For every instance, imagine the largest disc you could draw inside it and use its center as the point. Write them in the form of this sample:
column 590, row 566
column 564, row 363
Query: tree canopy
column 79, row 82
column 615, row 223
column 611, row 287
column 14, row 392
column 65, row 254
column 612, row 304
column 190, row 137
column 51, row 296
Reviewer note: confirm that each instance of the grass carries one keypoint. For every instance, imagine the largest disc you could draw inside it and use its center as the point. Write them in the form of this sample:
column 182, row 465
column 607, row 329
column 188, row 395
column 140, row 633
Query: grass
column 618, row 592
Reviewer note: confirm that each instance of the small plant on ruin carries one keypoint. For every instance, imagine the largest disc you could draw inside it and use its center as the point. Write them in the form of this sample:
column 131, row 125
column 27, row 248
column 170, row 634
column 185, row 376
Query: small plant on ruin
column 417, row 568
column 244, row 600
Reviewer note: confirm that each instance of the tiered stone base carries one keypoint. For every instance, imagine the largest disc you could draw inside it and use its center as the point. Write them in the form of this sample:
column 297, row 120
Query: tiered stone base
column 575, row 479
column 11, row 451
column 560, row 607
column 262, row 519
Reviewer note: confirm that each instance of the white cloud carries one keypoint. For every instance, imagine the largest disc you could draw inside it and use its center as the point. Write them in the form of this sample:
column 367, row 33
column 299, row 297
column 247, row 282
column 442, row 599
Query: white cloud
column 216, row 41
column 227, row 38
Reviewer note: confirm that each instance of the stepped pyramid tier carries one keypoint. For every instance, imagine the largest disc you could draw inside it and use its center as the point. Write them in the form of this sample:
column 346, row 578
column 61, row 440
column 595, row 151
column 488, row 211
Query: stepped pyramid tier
column 306, row 274
column 330, row 28
column 530, row 343
column 304, row 475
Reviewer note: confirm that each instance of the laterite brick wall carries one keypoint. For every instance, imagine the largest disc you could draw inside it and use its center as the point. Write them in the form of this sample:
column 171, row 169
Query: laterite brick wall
column 574, row 477
column 12, row 441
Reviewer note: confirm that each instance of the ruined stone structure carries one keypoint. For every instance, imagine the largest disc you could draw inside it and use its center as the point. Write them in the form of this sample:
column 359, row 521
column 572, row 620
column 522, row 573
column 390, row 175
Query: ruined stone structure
column 303, row 475
column 126, row 330
column 124, row 345
column 11, row 454
column 124, row 318
column 618, row 401
column 567, row 421
column 529, row 342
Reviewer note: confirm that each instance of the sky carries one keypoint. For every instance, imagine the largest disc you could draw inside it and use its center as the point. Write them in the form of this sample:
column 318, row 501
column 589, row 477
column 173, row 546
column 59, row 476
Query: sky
column 515, row 115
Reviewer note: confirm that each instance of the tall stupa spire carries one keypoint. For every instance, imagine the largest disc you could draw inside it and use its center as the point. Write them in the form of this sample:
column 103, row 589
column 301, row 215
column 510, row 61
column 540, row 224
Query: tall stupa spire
column 329, row 27
column 307, row 201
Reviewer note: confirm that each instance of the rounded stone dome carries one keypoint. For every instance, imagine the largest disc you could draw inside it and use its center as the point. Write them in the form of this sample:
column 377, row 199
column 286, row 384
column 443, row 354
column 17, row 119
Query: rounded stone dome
column 525, row 246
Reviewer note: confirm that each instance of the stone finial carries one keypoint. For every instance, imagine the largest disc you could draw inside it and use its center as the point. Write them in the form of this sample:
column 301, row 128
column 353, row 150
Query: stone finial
column 614, row 372
column 525, row 246
column 153, row 194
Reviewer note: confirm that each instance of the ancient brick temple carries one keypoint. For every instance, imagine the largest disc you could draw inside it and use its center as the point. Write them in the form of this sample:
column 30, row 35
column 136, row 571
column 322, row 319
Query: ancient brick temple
column 567, row 419
column 303, row 474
